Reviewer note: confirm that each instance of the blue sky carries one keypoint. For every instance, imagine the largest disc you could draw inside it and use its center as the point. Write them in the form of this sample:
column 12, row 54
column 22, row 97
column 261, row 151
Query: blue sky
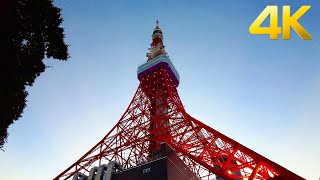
column 262, row 93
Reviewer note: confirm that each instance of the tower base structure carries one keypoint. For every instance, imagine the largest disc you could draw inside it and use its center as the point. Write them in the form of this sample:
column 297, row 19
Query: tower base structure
column 166, row 166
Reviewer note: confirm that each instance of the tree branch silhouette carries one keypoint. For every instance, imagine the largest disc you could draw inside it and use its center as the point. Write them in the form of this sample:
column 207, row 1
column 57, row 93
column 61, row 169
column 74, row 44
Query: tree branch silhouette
column 30, row 32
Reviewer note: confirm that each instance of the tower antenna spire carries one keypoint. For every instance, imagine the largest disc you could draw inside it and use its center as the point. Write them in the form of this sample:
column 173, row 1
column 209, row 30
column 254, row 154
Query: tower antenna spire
column 157, row 46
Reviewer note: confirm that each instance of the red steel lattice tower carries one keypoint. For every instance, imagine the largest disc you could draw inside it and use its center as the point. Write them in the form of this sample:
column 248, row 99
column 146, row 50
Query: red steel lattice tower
column 156, row 115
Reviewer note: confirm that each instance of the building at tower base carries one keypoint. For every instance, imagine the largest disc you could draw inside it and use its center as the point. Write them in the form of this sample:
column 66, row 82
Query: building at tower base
column 166, row 166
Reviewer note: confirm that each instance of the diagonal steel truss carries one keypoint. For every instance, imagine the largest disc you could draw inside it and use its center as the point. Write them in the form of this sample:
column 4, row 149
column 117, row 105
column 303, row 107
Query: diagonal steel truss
column 156, row 115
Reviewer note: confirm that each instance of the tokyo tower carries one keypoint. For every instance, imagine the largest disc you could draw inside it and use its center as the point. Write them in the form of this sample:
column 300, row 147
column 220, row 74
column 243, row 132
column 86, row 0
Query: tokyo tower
column 157, row 139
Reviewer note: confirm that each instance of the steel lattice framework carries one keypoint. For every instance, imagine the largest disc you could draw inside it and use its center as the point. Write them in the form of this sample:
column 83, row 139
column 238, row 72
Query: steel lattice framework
column 156, row 115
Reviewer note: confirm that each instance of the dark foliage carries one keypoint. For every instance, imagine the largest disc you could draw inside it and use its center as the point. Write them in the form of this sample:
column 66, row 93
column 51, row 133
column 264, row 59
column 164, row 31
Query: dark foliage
column 29, row 32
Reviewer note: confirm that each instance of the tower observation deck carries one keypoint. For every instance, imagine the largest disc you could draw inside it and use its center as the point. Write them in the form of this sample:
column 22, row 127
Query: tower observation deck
column 157, row 139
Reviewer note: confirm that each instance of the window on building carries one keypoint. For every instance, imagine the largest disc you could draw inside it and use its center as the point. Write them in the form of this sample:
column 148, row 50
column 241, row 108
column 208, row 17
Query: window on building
column 147, row 170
